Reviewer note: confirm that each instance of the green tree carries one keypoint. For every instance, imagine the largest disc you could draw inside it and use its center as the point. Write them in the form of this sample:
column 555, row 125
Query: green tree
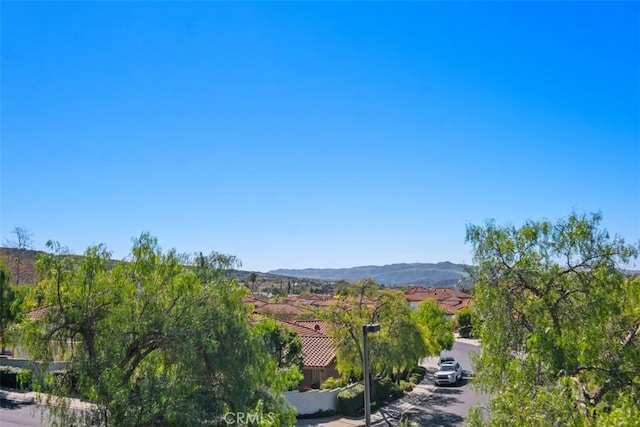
column 398, row 346
column 559, row 324
column 437, row 327
column 464, row 318
column 6, row 299
column 283, row 343
column 160, row 339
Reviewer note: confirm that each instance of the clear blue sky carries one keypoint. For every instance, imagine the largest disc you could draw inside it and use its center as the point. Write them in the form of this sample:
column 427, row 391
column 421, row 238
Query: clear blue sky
column 325, row 134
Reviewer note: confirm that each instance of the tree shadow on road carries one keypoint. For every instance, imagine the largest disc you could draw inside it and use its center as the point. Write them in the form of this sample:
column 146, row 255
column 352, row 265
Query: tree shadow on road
column 10, row 404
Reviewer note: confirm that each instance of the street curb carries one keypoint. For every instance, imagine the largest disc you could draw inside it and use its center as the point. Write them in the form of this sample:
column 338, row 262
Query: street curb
column 32, row 397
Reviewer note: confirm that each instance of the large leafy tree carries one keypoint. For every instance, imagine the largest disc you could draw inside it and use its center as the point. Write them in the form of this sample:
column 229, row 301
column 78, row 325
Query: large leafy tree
column 161, row 339
column 438, row 329
column 398, row 346
column 559, row 324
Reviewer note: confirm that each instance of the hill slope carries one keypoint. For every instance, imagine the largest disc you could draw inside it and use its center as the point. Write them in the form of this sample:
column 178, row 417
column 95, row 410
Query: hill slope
column 440, row 274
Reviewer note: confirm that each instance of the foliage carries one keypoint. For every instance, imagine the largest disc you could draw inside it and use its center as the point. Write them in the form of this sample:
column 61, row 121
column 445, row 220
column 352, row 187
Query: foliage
column 351, row 400
column 415, row 378
column 406, row 385
column 399, row 344
column 15, row 377
column 559, row 324
column 387, row 389
column 464, row 318
column 332, row 383
column 437, row 327
column 283, row 343
column 162, row 338
column 12, row 299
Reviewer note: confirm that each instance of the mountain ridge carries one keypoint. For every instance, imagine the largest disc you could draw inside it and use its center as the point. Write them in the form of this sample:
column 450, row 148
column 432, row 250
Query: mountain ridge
column 443, row 273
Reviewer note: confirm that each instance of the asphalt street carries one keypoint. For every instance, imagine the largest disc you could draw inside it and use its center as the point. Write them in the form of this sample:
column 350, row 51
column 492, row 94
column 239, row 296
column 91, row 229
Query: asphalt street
column 449, row 405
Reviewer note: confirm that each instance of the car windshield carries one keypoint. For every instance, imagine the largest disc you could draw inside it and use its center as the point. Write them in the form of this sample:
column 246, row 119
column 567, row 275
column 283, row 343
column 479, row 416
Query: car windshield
column 447, row 368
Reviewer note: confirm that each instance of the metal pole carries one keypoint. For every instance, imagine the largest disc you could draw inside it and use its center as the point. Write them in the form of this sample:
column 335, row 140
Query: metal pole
column 365, row 363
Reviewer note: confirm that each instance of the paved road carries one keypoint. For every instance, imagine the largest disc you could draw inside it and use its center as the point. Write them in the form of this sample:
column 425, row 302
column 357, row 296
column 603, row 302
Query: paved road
column 20, row 414
column 449, row 405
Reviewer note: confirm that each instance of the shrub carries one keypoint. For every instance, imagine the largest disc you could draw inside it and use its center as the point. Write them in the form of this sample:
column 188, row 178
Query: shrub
column 383, row 389
column 331, row 383
column 15, row 377
column 415, row 378
column 396, row 391
column 465, row 320
column 351, row 400
column 405, row 385
column 420, row 370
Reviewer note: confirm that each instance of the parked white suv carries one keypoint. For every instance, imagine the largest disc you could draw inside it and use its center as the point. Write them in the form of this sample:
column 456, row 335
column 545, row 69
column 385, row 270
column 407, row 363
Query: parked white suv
column 448, row 373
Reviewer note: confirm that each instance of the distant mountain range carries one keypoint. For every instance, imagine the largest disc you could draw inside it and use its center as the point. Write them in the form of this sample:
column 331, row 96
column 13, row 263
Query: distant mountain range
column 439, row 274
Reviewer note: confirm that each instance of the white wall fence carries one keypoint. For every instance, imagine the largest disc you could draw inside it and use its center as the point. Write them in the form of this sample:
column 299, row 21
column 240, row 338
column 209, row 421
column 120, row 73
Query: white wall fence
column 313, row 401
column 27, row 364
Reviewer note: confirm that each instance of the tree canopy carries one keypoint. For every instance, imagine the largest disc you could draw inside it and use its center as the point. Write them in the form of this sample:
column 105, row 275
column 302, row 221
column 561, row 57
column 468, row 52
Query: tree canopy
column 403, row 340
column 559, row 324
column 161, row 339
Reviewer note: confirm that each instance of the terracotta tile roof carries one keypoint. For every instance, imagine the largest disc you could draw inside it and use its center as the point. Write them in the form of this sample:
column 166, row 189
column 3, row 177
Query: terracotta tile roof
column 317, row 348
column 38, row 313
column 415, row 289
column 318, row 351
column 301, row 330
column 419, row 293
column 448, row 309
column 282, row 308
column 317, row 325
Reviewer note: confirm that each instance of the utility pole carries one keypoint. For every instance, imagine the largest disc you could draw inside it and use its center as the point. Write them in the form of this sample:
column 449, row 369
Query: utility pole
column 366, row 329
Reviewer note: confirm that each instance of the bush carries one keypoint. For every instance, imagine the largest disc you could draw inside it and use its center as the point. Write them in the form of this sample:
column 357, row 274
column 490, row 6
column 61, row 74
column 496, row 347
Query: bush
column 351, row 400
column 15, row 378
column 331, row 383
column 420, row 370
column 383, row 389
column 396, row 391
column 465, row 320
column 415, row 378
column 405, row 385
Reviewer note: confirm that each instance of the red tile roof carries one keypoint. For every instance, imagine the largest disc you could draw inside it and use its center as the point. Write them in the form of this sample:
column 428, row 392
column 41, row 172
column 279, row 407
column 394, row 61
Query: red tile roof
column 318, row 351
column 317, row 325
column 301, row 330
column 317, row 348
column 38, row 313
column 282, row 308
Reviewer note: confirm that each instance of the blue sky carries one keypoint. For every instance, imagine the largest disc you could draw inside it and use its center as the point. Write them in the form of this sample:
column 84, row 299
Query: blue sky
column 328, row 134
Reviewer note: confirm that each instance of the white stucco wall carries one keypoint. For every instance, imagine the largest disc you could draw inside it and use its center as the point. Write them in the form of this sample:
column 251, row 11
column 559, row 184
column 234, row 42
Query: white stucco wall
column 312, row 401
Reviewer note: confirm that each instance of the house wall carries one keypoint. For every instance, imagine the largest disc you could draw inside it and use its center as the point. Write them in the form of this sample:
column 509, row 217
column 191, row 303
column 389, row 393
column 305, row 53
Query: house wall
column 313, row 401
column 316, row 376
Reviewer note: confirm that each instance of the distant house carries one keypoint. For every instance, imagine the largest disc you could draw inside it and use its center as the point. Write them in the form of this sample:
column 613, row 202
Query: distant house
column 318, row 350
column 283, row 311
column 449, row 299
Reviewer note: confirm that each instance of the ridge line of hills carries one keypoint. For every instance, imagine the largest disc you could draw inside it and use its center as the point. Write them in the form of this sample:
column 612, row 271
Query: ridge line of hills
column 442, row 274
